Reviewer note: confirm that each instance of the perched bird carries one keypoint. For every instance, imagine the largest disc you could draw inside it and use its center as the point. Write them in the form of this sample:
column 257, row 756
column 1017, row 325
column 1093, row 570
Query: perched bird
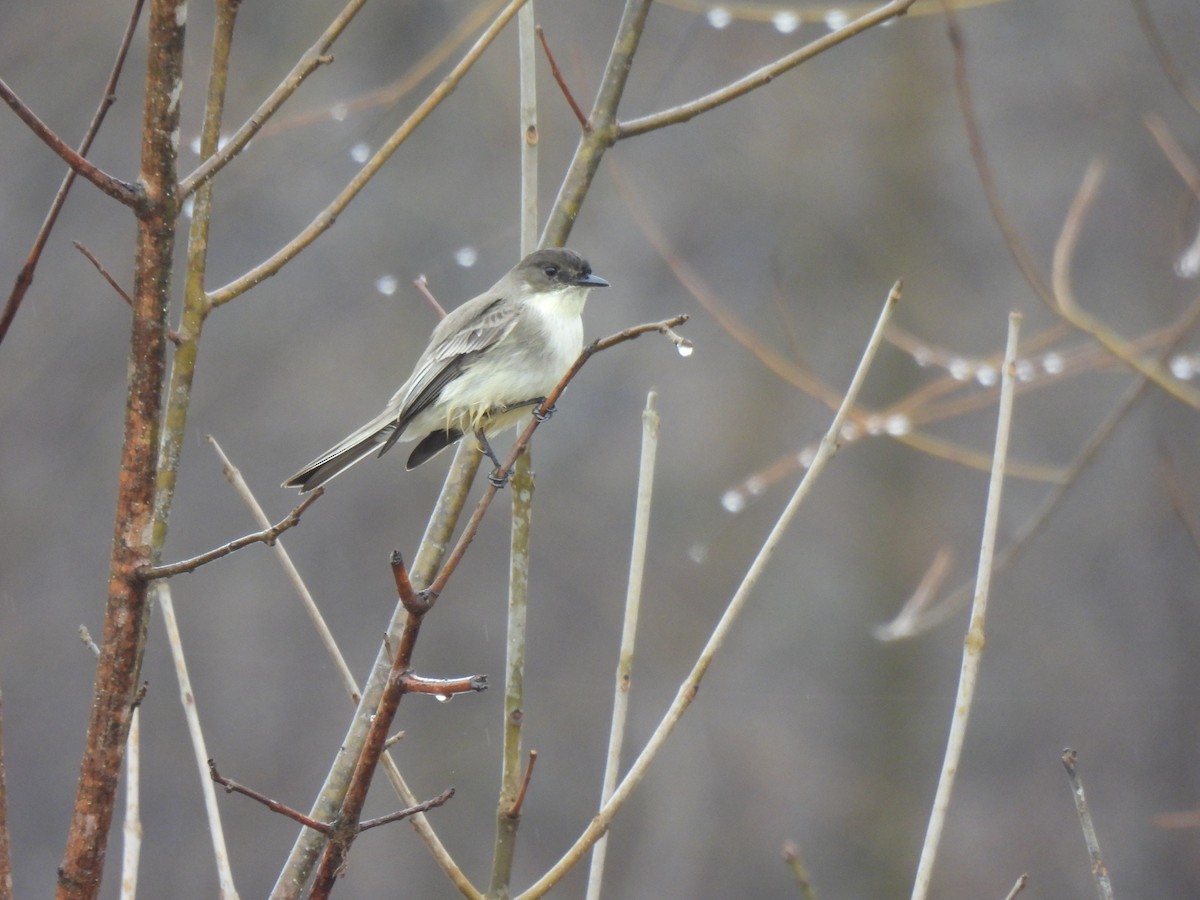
column 487, row 363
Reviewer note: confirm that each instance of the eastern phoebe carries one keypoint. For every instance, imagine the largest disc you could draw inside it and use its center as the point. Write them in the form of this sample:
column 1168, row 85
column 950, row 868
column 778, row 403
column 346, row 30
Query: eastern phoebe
column 486, row 363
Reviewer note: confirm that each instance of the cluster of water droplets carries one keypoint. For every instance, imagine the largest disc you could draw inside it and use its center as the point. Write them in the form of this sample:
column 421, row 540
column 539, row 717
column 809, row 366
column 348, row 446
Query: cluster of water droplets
column 785, row 21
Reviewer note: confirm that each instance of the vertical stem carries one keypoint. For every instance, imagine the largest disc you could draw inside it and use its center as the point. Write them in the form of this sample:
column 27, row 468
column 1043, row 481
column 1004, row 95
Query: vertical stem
column 507, row 823
column 974, row 642
column 127, row 611
column 603, row 131
column 633, row 602
column 6, row 886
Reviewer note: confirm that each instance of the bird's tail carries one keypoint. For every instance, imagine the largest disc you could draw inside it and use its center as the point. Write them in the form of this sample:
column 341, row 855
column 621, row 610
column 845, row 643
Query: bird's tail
column 338, row 459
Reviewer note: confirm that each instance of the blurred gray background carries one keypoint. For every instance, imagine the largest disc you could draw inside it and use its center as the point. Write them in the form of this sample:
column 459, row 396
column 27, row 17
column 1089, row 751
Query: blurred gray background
column 798, row 206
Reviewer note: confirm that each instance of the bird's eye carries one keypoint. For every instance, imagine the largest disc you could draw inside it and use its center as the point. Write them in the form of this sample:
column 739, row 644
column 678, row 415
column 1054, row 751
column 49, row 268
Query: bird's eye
column 550, row 271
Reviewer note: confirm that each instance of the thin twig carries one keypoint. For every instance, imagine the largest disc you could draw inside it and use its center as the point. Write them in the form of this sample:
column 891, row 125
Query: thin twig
column 232, row 787
column 633, row 602
column 325, row 219
column 267, row 536
column 234, row 477
column 130, row 195
column 974, row 643
column 691, row 684
column 504, row 843
column 1099, row 870
column 6, row 880
column 438, row 534
column 389, row 95
column 107, row 99
column 1179, row 501
column 764, row 75
column 316, row 56
column 1018, row 886
column 421, row 283
column 112, row 282
column 791, row 856
column 191, row 713
column 561, row 81
column 413, row 810
column 1165, row 60
column 966, row 104
column 1033, row 526
column 172, row 334
column 514, row 811
column 346, row 821
column 131, row 828
column 1069, row 308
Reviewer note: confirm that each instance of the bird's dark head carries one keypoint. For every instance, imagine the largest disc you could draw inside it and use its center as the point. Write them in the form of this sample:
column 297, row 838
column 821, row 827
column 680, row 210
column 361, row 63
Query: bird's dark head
column 555, row 269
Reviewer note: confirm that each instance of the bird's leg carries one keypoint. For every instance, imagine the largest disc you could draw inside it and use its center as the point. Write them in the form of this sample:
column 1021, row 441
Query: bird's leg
column 495, row 478
column 536, row 403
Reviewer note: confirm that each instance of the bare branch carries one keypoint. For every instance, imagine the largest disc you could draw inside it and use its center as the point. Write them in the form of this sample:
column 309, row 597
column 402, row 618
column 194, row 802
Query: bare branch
column 107, row 99
column 561, row 81
column 514, row 811
column 128, row 194
column 1067, row 306
column 232, row 787
column 127, row 610
column 1099, row 870
column 975, row 639
column 1018, row 887
column 172, row 334
column 399, row 815
column 691, row 684
column 267, row 536
column 6, row 881
column 325, row 219
column 313, row 58
column 762, row 76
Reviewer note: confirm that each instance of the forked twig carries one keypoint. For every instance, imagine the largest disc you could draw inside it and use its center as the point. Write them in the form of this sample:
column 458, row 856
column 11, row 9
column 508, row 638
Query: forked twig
column 107, row 99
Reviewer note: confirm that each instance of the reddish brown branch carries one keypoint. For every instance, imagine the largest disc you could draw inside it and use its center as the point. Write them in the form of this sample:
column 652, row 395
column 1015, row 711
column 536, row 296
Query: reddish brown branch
column 444, row 687
column 108, row 98
column 126, row 618
column 561, row 81
column 126, row 193
column 232, row 787
column 514, row 811
column 347, row 820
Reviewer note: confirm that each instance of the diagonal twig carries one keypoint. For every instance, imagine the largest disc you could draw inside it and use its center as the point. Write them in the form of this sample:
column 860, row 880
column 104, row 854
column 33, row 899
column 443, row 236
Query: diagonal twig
column 267, row 536
column 128, row 194
column 691, row 684
column 561, row 81
column 107, row 99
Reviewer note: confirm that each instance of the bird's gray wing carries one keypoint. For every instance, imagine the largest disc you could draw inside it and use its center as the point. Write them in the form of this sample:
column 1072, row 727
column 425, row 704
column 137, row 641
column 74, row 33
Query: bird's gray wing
column 458, row 339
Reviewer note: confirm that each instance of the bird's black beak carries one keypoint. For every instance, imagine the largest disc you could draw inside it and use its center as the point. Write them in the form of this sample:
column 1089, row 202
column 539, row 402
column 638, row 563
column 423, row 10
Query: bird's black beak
column 590, row 280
